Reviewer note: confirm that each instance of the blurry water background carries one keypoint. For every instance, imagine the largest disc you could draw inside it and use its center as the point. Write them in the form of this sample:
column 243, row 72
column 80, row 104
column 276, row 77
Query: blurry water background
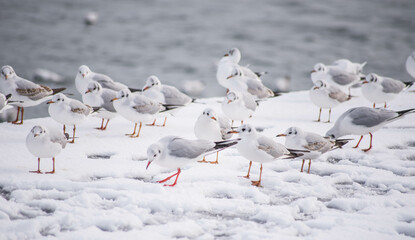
column 184, row 39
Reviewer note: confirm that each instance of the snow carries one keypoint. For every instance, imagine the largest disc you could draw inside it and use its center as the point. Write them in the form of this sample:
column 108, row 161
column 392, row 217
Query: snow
column 101, row 189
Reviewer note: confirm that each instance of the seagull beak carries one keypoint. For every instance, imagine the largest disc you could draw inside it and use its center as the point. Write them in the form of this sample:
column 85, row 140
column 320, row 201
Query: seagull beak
column 145, row 88
column 6, row 76
column 281, row 135
column 83, row 75
column 87, row 91
column 35, row 135
column 233, row 131
column 213, row 118
column 226, row 55
column 365, row 81
column 148, row 164
column 314, row 88
column 229, row 77
column 112, row 100
column 50, row 102
column 229, row 101
column 313, row 71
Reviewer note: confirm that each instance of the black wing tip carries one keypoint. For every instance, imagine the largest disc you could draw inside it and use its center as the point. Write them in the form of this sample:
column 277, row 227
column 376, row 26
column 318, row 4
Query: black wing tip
column 57, row 90
column 260, row 74
column 403, row 112
column 341, row 142
column 8, row 96
column 408, row 84
column 135, row 90
column 226, row 143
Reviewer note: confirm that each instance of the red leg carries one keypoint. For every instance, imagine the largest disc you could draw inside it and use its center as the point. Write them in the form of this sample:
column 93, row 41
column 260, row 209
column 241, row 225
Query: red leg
column 242, row 122
column 203, row 161
column 357, row 145
column 21, row 117
column 73, row 137
column 384, row 105
column 153, row 124
column 132, row 134
column 168, row 178
column 53, row 171
column 329, row 115
column 38, row 167
column 232, row 124
column 17, row 117
column 106, row 124
column 309, row 165
column 302, row 166
column 370, row 147
column 64, row 129
column 249, row 170
column 165, row 119
column 374, row 105
column 258, row 183
column 319, row 115
column 102, row 125
column 138, row 134
column 217, row 157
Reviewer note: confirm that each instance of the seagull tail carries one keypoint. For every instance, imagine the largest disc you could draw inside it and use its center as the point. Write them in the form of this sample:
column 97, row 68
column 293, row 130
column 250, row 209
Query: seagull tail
column 408, row 84
column 339, row 143
column 8, row 96
column 135, row 90
column 260, row 74
column 403, row 113
column 57, row 90
column 294, row 153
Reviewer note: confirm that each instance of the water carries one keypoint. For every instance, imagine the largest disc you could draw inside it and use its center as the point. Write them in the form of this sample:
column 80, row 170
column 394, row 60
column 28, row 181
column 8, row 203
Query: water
column 183, row 40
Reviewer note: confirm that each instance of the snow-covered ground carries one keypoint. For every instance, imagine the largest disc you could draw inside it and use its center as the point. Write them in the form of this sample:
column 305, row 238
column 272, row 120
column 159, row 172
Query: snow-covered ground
column 101, row 189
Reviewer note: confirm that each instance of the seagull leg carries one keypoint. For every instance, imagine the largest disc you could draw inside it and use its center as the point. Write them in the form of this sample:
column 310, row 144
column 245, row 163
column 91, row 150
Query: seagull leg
column 102, row 125
column 38, row 167
column 370, row 147
column 374, row 105
column 319, row 115
column 106, row 124
column 168, row 178
column 165, row 119
column 153, row 124
column 249, row 170
column 309, row 165
column 64, row 129
column 53, row 171
column 73, row 137
column 203, row 161
column 384, row 105
column 258, row 183
column 132, row 134
column 17, row 117
column 329, row 115
column 175, row 181
column 357, row 145
column 217, row 157
column 232, row 124
column 302, row 166
column 138, row 134
column 242, row 122
column 21, row 117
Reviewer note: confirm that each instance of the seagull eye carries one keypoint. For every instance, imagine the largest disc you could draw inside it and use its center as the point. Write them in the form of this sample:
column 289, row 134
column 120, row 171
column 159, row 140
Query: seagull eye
column 243, row 129
column 155, row 155
column 207, row 114
column 290, row 132
column 159, row 151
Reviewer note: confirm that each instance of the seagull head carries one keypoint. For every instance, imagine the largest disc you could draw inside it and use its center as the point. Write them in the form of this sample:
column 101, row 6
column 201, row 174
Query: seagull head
column 58, row 98
column 7, row 72
column 152, row 81
column 93, row 87
column 122, row 94
column 291, row 132
column 154, row 152
column 235, row 55
column 372, row 78
column 245, row 130
column 209, row 113
column 83, row 71
column 231, row 96
column 236, row 71
column 332, row 134
column 319, row 67
column 319, row 84
column 38, row 131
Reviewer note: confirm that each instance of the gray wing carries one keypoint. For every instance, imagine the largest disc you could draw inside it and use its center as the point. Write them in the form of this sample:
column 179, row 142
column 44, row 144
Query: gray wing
column 272, row 148
column 256, row 88
column 59, row 138
column 173, row 96
column 225, row 127
column 249, row 101
column 392, row 86
column 183, row 148
column 370, row 117
column 78, row 107
column 107, row 96
column 337, row 94
column 31, row 90
column 316, row 142
column 107, row 82
column 145, row 105
column 341, row 77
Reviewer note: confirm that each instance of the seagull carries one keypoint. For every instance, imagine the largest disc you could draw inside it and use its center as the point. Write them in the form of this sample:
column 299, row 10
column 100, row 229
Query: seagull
column 84, row 75
column 349, row 66
column 68, row 111
column 174, row 152
column 410, row 64
column 362, row 121
column 378, row 89
column 258, row 148
column 210, row 126
column 97, row 96
column 237, row 81
column 325, row 96
column 296, row 138
column 164, row 94
column 334, row 76
column 25, row 92
column 43, row 143
column 239, row 106
column 136, row 108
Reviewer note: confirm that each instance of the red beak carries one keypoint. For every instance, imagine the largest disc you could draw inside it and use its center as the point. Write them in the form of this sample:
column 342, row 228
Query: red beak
column 50, row 102
column 281, row 135
column 83, row 75
column 148, row 164
column 213, row 118
column 145, row 88
column 87, row 91
column 313, row 71
column 364, row 82
column 112, row 100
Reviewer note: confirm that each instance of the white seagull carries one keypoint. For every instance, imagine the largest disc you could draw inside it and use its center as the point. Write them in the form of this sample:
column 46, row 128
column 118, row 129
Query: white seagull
column 210, row 126
column 362, row 121
column 43, row 143
column 165, row 94
column 317, row 145
column 239, row 106
column 410, row 64
column 349, row 66
column 325, row 96
column 68, row 111
column 85, row 75
column 378, row 89
column 334, row 76
column 99, row 97
column 174, row 152
column 25, row 92
column 258, row 148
